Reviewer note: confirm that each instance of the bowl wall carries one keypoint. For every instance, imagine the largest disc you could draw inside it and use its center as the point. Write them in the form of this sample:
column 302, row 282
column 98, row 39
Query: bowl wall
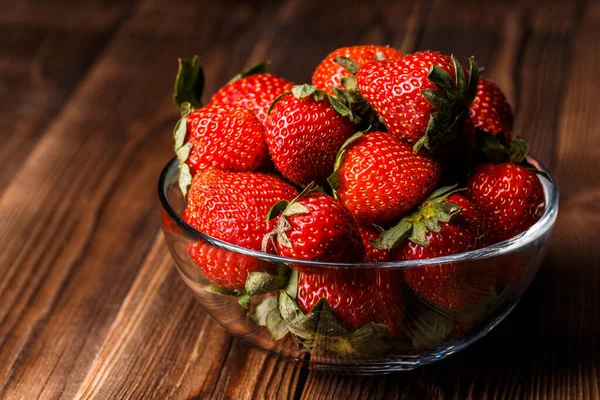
column 426, row 324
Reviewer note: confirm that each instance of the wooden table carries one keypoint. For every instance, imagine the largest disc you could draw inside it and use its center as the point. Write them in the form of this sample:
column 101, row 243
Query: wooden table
column 91, row 305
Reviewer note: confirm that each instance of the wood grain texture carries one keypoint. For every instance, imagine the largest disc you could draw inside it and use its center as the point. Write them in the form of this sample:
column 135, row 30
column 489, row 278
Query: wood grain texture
column 42, row 59
column 92, row 307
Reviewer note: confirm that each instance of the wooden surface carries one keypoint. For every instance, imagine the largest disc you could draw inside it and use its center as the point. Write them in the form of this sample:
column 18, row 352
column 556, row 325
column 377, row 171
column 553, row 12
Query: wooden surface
column 91, row 305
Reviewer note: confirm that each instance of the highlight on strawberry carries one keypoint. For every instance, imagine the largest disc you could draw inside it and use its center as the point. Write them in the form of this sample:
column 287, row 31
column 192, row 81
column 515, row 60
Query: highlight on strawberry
column 384, row 158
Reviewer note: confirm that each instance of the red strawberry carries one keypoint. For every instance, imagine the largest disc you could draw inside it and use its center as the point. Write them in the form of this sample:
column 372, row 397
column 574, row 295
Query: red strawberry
column 229, row 139
column 372, row 253
column 423, row 98
column 304, row 133
column 447, row 223
column 379, row 178
column 356, row 296
column 255, row 92
column 490, row 111
column 317, row 227
column 329, row 73
column 231, row 206
column 510, row 196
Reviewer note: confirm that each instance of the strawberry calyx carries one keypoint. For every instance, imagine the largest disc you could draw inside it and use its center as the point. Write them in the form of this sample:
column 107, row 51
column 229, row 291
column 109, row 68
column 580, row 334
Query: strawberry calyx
column 187, row 94
column 451, row 101
column 351, row 100
column 285, row 209
column 321, row 332
column 260, row 68
column 494, row 148
column 189, row 82
column 415, row 226
column 183, row 148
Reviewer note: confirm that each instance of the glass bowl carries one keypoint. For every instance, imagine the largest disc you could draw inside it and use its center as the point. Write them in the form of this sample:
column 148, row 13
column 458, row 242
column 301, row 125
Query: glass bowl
column 488, row 283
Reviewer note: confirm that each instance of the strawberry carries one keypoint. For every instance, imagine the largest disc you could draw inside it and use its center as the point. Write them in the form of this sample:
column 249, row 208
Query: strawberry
column 316, row 227
column 423, row 98
column 304, row 133
column 490, row 111
column 356, row 296
column 231, row 206
column 446, row 223
column 379, row 178
column 329, row 72
column 230, row 139
column 510, row 196
column 372, row 253
column 254, row 90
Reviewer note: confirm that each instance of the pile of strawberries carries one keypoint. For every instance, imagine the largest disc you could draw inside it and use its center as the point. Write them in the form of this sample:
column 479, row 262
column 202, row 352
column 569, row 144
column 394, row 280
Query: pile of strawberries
column 385, row 157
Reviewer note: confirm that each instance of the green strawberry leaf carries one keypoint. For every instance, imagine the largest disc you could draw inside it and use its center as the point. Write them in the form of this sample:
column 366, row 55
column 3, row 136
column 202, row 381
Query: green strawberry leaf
column 267, row 314
column 479, row 311
column 183, row 153
column 245, row 300
column 437, row 100
column 276, row 325
column 259, row 315
column 277, row 209
column 418, row 234
column 277, row 100
column 518, row 150
column 347, row 63
column 350, row 84
column 460, row 75
column 180, row 132
column 392, row 237
column 292, row 285
column 436, row 130
column 341, row 108
column 294, row 318
column 189, row 82
column 333, row 178
column 431, row 328
column 182, row 149
column 323, row 321
column 446, row 211
column 368, row 341
column 471, row 90
column 303, row 91
column 443, row 80
column 427, row 218
column 258, row 283
column 295, row 209
column 185, row 178
column 493, row 148
column 442, row 193
column 432, row 224
column 259, row 68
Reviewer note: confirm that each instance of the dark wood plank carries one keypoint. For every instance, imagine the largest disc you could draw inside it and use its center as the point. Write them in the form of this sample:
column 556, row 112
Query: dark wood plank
column 161, row 345
column 80, row 215
column 45, row 50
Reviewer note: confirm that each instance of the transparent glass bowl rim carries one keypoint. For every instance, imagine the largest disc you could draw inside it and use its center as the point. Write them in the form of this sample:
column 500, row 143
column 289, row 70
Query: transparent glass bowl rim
column 508, row 246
